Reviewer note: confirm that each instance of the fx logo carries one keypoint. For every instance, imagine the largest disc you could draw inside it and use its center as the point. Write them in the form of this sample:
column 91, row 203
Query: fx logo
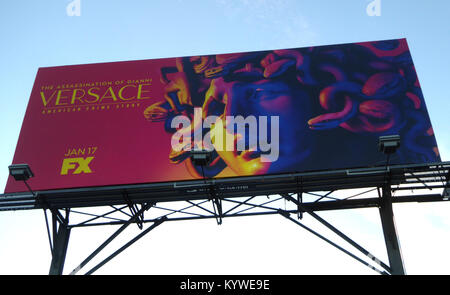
column 81, row 165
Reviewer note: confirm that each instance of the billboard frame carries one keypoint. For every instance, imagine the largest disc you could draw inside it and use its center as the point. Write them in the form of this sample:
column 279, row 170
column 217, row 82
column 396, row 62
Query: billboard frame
column 230, row 187
column 376, row 77
column 217, row 193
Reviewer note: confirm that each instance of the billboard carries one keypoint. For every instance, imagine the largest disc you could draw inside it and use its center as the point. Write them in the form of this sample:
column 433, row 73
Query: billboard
column 265, row 112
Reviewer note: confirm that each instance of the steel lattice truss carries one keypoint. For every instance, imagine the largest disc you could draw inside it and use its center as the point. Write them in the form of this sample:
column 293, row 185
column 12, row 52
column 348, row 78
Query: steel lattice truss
column 290, row 196
column 247, row 206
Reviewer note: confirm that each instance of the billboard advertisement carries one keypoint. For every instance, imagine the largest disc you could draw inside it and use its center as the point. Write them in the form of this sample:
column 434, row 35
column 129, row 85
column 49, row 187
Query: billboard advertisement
column 259, row 113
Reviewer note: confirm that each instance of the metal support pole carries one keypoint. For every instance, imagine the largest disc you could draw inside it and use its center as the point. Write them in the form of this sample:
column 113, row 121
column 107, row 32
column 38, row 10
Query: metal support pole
column 390, row 232
column 60, row 243
column 299, row 206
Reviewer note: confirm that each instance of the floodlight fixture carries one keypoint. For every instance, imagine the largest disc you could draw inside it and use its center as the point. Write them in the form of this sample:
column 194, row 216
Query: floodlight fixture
column 388, row 144
column 201, row 157
column 20, row 171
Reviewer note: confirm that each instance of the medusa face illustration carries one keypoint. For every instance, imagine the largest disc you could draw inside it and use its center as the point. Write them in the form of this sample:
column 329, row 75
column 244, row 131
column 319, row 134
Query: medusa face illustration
column 249, row 90
column 323, row 107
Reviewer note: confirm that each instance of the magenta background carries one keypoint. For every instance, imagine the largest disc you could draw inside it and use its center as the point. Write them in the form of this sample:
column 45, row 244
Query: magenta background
column 130, row 149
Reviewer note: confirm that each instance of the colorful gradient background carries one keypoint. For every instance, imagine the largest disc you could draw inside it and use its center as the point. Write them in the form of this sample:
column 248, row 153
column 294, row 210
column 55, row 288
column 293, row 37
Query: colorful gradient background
column 40, row 34
column 340, row 99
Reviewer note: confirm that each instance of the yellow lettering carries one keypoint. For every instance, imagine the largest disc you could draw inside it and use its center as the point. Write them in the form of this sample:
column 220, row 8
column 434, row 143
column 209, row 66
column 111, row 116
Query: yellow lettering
column 112, row 94
column 122, row 89
column 83, row 165
column 44, row 100
column 75, row 97
column 140, row 91
column 93, row 95
column 67, row 165
column 59, row 97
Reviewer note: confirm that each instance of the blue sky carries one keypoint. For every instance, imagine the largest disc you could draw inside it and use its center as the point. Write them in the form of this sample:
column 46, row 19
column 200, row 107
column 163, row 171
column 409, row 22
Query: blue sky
column 39, row 33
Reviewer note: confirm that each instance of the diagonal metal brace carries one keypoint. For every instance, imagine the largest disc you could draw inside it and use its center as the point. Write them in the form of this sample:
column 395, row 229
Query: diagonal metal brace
column 134, row 210
column 338, row 232
column 112, row 237
column 155, row 224
column 287, row 216
column 217, row 204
